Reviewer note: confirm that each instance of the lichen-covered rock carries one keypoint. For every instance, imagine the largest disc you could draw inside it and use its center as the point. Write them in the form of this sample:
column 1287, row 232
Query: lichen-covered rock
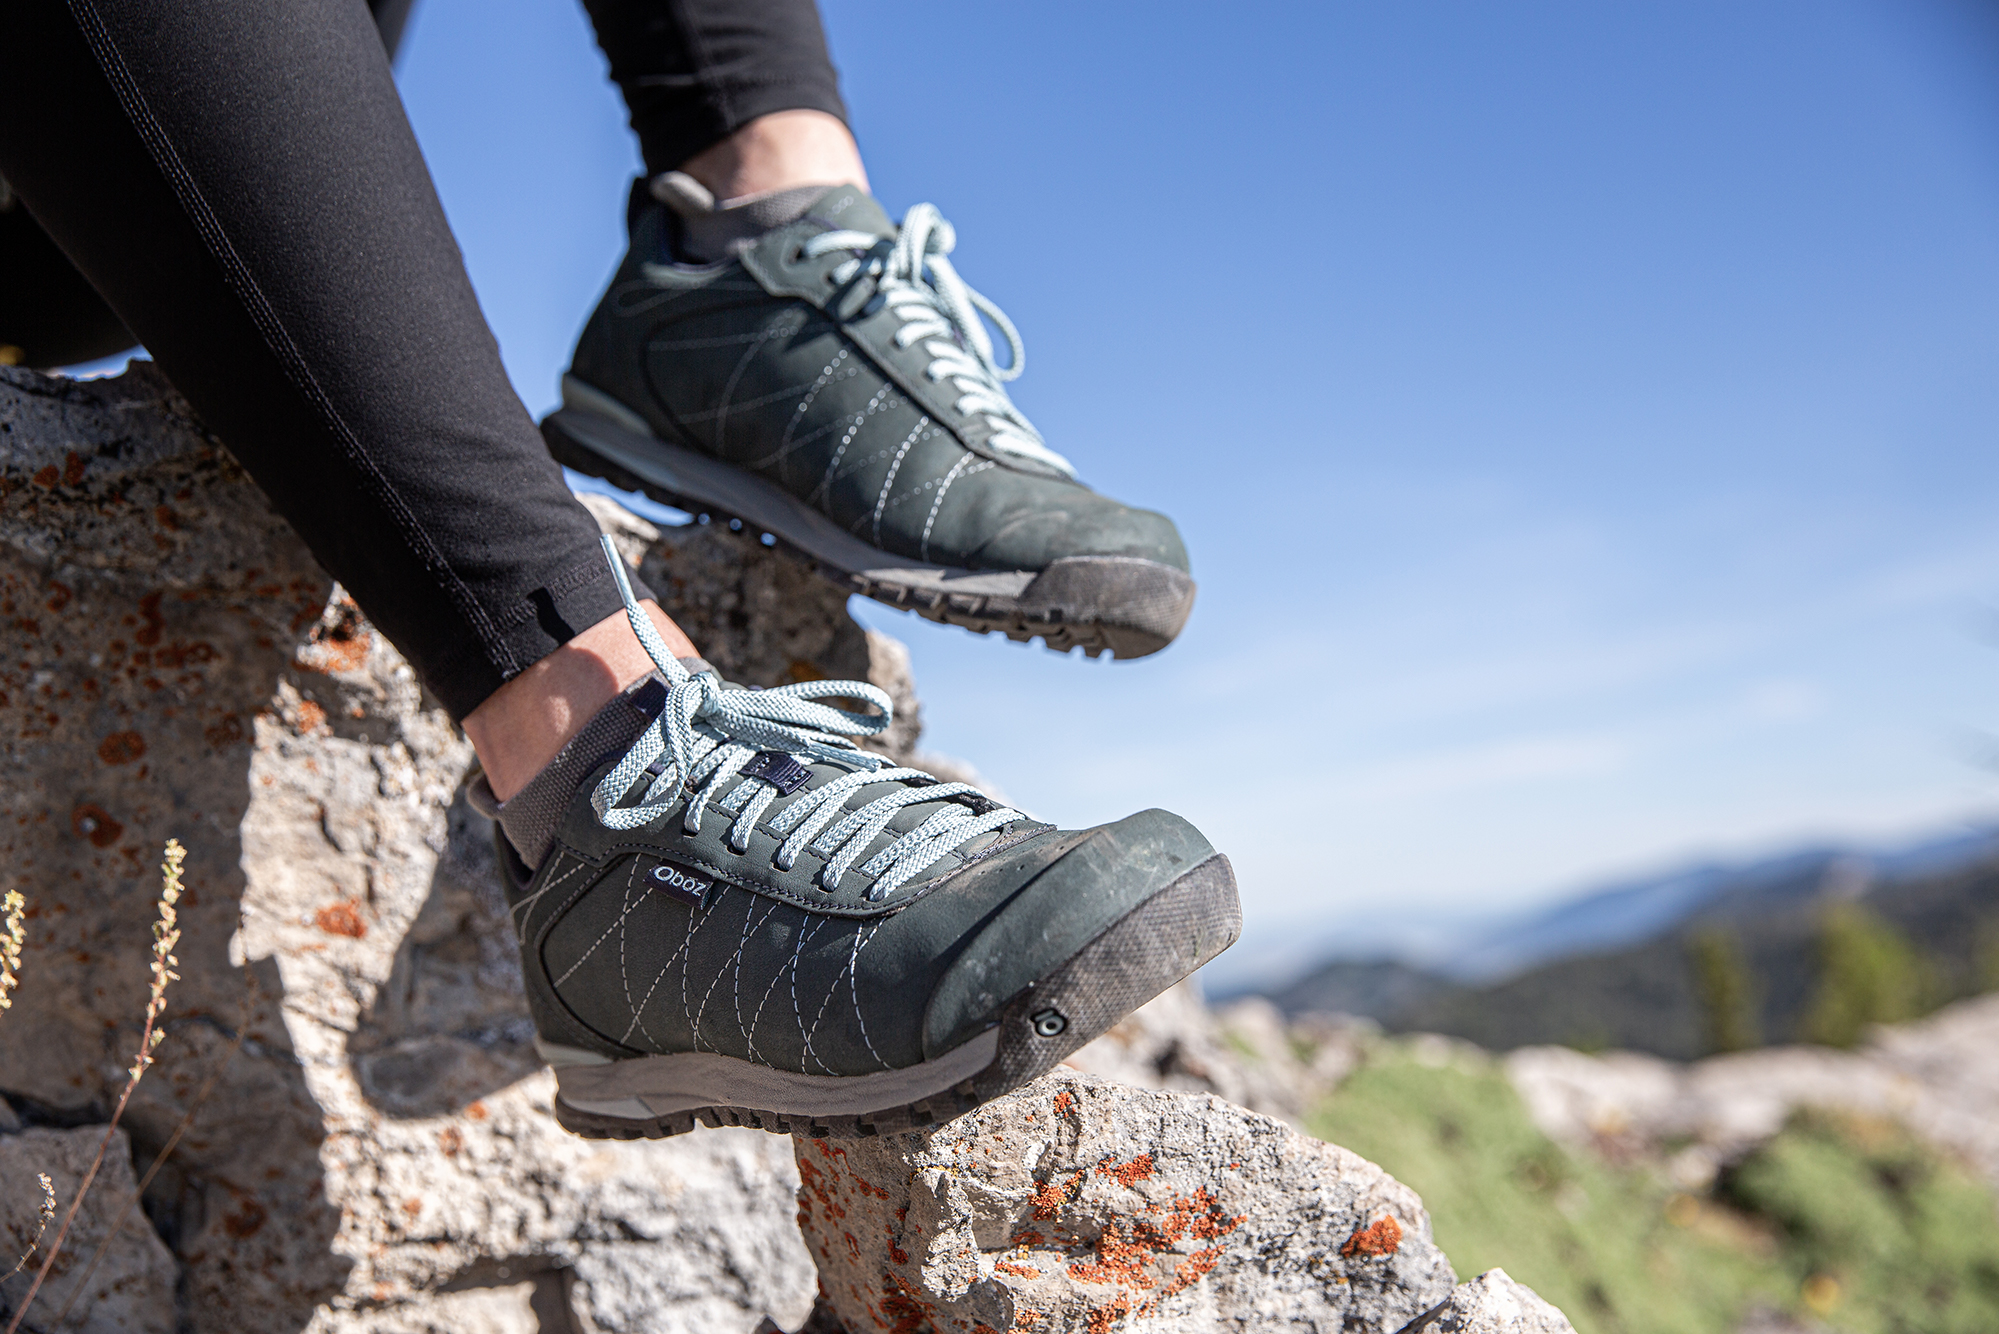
column 1077, row 1204
column 379, row 1144
column 132, row 1288
column 1492, row 1303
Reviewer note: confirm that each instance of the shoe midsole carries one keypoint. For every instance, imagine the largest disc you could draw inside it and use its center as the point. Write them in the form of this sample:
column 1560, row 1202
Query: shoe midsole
column 596, row 421
column 652, row 1086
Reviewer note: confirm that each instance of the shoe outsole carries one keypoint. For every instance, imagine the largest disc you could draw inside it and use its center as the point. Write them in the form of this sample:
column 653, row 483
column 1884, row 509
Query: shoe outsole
column 1153, row 946
column 1122, row 605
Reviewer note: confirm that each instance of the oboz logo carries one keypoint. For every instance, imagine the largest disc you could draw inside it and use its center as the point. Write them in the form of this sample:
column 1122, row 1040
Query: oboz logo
column 689, row 888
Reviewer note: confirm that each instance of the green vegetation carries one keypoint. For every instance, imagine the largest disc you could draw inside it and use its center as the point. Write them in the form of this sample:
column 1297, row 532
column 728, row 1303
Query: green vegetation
column 1855, row 1224
column 1868, row 973
column 1724, row 990
column 1900, row 1239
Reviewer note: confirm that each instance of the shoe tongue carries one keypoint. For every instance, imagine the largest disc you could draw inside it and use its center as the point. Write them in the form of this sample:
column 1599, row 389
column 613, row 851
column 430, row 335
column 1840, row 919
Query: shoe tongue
column 850, row 208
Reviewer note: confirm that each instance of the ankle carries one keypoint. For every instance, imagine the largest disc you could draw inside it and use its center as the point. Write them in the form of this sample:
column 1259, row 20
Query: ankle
column 780, row 151
column 524, row 723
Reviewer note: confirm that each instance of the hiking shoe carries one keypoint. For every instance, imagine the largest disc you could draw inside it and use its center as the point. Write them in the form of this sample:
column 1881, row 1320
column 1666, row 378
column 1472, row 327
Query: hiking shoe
column 738, row 917
column 831, row 383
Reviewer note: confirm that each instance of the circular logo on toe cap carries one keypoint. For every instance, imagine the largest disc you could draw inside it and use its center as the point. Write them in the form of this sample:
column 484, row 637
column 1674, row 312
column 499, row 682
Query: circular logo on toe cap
column 1049, row 1023
column 689, row 888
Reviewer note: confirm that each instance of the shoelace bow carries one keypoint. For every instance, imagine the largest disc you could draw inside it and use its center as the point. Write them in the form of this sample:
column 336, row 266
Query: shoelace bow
column 922, row 288
column 705, row 735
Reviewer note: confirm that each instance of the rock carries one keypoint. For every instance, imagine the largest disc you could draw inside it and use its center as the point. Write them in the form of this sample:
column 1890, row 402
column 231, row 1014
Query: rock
column 132, row 1288
column 176, row 665
column 1492, row 1303
column 1077, row 1204
column 1246, row 1053
column 1939, row 1077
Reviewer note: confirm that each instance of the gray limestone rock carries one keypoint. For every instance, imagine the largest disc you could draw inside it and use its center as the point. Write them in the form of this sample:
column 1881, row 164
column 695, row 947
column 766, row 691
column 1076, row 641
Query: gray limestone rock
column 1938, row 1076
column 379, row 1143
column 1077, row 1204
column 132, row 1288
column 1492, row 1303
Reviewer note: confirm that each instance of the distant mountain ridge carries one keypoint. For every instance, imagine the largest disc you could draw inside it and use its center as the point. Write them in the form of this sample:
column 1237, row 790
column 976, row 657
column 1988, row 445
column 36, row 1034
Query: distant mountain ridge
column 1629, row 913
column 1611, row 967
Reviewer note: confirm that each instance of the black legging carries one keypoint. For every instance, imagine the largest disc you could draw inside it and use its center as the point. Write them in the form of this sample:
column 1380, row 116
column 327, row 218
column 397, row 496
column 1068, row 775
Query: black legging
column 238, row 181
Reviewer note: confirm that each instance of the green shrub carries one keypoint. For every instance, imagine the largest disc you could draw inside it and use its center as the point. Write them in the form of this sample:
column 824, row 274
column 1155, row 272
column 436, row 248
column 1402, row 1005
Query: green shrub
column 1724, row 990
column 1869, row 973
column 1909, row 1240
column 1596, row 1242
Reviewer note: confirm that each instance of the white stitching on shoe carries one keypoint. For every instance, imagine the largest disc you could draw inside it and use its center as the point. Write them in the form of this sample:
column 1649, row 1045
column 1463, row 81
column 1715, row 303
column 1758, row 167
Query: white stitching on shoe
column 797, row 1017
column 873, row 405
column 826, row 377
column 630, row 903
column 773, row 328
column 735, row 964
column 923, row 547
column 687, row 967
column 624, row 967
column 776, row 977
column 888, row 482
column 638, row 1021
column 854, row 987
column 831, row 987
column 528, row 903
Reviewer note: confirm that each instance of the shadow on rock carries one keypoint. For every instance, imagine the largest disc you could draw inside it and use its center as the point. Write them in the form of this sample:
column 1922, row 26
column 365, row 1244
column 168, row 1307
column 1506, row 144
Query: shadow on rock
column 150, row 600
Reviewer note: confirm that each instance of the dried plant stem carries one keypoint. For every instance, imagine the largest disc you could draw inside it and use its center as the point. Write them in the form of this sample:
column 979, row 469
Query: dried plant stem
column 166, row 934
column 48, row 1212
column 13, row 931
column 160, row 1160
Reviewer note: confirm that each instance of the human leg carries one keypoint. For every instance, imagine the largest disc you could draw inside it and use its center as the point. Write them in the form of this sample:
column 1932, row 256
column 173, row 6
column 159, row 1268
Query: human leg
column 896, row 948
column 292, row 272
column 50, row 315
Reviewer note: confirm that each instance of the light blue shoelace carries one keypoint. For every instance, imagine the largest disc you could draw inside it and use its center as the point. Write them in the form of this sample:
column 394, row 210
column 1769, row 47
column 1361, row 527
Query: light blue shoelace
column 922, row 289
column 705, row 735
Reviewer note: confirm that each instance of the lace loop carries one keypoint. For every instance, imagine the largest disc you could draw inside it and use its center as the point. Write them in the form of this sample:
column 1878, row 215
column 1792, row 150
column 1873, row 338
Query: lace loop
column 704, row 735
column 938, row 308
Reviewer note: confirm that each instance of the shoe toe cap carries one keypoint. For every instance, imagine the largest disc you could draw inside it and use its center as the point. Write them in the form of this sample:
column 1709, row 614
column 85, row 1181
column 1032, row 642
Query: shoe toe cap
column 1052, row 916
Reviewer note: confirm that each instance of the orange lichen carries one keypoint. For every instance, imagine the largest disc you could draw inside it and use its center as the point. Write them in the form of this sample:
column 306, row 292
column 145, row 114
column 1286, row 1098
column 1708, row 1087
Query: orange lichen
column 1064, row 1101
column 309, row 718
column 1049, row 1196
column 341, row 919
column 1127, row 1174
column 1382, row 1237
column 1017, row 1270
column 902, row 1303
column 1105, row 1318
column 339, row 643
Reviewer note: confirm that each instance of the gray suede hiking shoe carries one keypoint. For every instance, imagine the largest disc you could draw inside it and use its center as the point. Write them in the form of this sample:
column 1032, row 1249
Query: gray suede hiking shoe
column 736, row 916
column 830, row 382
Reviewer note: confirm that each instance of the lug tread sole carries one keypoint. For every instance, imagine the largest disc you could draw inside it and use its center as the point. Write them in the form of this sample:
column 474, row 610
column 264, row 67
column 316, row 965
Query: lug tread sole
column 979, row 613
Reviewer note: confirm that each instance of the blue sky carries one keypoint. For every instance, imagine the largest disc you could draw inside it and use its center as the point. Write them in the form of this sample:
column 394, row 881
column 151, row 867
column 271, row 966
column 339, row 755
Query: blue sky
column 1581, row 416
